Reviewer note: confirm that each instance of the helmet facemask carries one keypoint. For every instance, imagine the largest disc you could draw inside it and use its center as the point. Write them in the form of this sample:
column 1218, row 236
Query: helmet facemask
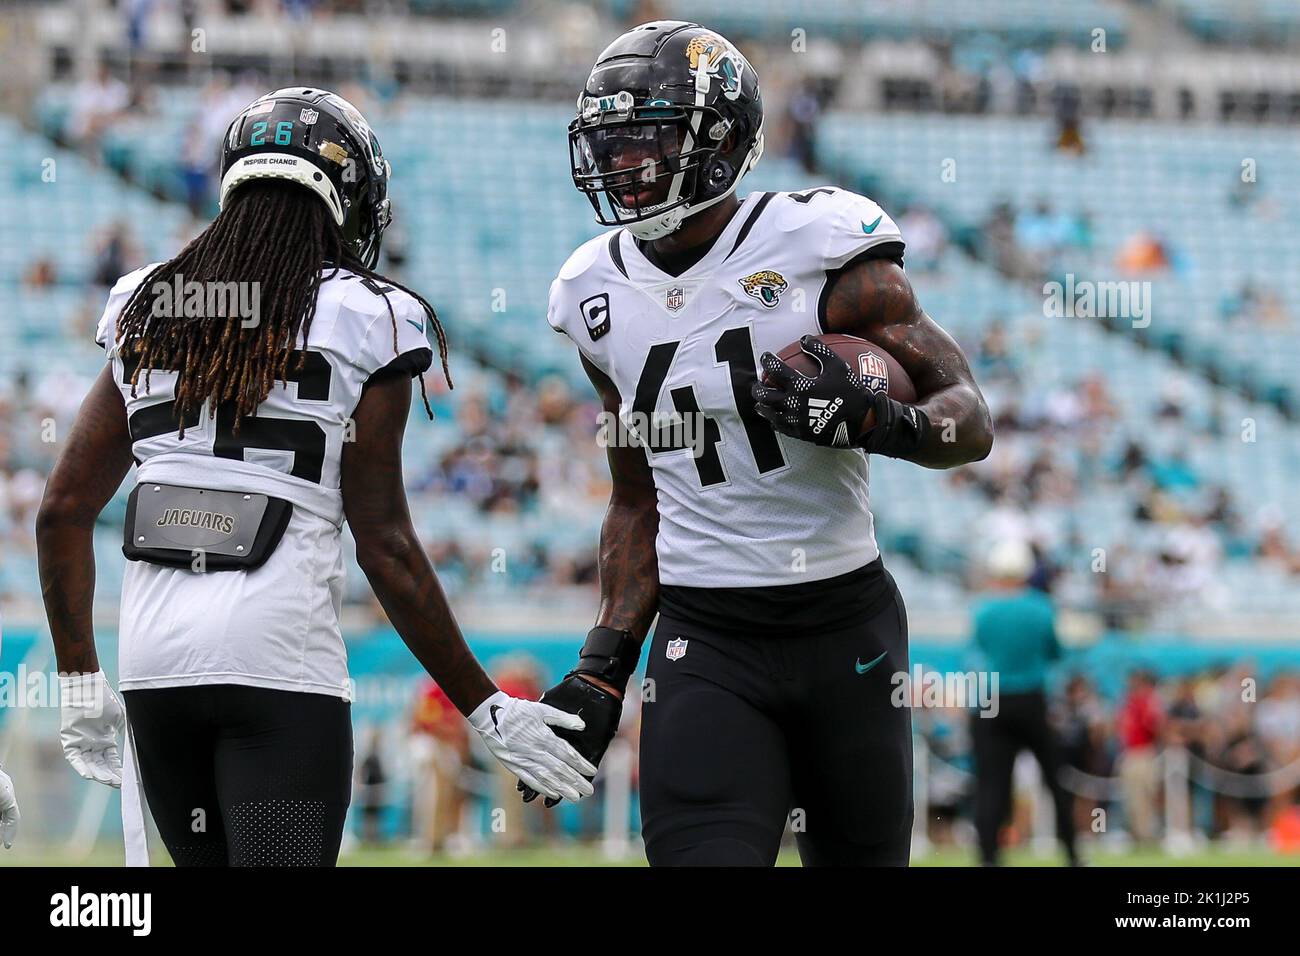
column 668, row 122
column 639, row 167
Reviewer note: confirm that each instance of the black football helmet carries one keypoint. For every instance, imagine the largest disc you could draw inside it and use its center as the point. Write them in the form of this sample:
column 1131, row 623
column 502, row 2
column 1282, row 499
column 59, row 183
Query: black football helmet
column 668, row 123
column 319, row 140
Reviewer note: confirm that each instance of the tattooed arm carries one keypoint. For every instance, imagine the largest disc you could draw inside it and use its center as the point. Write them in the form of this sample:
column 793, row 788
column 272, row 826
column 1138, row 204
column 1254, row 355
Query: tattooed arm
column 93, row 463
column 629, row 566
column 874, row 300
column 390, row 555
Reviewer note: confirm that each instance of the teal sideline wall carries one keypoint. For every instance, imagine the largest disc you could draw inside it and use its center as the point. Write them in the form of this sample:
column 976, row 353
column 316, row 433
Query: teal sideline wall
column 384, row 669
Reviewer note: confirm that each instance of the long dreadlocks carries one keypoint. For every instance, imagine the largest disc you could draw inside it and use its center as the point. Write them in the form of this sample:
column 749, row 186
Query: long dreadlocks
column 275, row 234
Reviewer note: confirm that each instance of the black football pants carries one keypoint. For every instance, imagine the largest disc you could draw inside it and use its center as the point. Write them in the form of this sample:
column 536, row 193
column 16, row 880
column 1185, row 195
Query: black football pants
column 244, row 776
column 741, row 732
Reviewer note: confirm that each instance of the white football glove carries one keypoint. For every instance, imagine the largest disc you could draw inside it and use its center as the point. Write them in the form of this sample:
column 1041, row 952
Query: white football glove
column 518, row 732
column 92, row 718
column 8, row 811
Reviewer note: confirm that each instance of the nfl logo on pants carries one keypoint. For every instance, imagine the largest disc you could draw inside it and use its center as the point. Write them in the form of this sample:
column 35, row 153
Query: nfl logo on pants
column 676, row 648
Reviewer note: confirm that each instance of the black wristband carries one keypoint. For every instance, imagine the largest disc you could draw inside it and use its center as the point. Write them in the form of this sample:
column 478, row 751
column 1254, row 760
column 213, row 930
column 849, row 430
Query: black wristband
column 899, row 429
column 609, row 654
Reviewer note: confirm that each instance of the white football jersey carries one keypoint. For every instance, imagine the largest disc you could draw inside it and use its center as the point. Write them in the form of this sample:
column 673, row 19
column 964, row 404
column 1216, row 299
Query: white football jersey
column 276, row 626
column 755, row 507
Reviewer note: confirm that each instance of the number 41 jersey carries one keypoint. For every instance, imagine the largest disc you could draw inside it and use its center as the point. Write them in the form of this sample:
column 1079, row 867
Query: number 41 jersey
column 739, row 504
column 276, row 626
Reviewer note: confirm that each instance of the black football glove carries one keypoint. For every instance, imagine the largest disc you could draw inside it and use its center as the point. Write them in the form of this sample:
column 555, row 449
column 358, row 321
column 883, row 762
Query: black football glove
column 600, row 710
column 827, row 409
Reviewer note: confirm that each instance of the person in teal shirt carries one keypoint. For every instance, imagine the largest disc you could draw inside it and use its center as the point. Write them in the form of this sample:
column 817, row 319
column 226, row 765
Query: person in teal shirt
column 1015, row 638
column 1015, row 634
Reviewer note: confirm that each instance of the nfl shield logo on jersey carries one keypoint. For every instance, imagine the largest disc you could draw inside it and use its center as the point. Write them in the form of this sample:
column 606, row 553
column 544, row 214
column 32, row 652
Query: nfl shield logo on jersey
column 874, row 371
column 674, row 299
column 676, row 648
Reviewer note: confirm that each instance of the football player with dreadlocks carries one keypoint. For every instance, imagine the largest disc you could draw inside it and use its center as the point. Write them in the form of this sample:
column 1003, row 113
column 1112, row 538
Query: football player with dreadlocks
column 769, row 676
column 256, row 433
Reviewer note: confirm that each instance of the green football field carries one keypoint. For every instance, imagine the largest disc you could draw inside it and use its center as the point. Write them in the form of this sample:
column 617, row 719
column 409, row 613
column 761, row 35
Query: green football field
column 587, row 855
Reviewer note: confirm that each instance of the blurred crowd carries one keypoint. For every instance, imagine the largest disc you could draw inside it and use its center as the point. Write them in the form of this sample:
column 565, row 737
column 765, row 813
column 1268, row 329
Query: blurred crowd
column 427, row 781
column 1058, row 448
column 1218, row 747
column 1180, row 758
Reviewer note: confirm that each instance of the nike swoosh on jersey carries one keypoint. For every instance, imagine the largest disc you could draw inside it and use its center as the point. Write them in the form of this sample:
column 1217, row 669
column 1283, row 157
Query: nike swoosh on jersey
column 862, row 668
column 495, row 707
column 872, row 228
column 418, row 325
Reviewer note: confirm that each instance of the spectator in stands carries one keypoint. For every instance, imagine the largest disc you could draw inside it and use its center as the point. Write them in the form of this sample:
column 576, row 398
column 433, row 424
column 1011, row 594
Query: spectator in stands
column 1143, row 252
column 1077, row 233
column 1173, row 472
column 1044, row 234
column 97, row 103
column 1015, row 638
column 219, row 102
column 1122, row 599
column 41, row 274
column 927, row 238
column 1133, row 460
column 116, row 254
column 999, row 231
column 1274, row 542
column 1140, row 724
column 804, row 110
column 1038, row 233
column 1254, row 305
column 1186, row 576
column 994, row 356
column 1067, row 107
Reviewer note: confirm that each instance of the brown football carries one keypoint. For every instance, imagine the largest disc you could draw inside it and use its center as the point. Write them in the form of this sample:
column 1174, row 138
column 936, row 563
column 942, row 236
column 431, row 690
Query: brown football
column 878, row 367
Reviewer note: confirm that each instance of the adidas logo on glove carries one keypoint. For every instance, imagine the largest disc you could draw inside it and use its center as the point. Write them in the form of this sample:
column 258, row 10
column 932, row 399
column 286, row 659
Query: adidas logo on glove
column 821, row 411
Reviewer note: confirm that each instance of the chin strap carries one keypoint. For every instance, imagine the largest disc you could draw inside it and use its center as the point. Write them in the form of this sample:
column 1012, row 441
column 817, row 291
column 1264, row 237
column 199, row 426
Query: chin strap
column 669, row 222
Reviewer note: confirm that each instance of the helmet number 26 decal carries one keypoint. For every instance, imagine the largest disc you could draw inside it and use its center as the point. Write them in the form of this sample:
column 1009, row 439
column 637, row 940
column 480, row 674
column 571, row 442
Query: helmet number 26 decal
column 283, row 133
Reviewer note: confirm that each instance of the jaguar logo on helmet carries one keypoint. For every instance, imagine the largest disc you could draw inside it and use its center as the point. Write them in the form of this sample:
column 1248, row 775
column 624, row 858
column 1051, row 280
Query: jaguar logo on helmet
column 369, row 144
column 719, row 59
column 765, row 286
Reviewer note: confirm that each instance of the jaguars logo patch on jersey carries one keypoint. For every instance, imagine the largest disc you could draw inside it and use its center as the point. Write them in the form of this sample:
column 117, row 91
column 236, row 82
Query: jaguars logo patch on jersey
column 765, row 286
